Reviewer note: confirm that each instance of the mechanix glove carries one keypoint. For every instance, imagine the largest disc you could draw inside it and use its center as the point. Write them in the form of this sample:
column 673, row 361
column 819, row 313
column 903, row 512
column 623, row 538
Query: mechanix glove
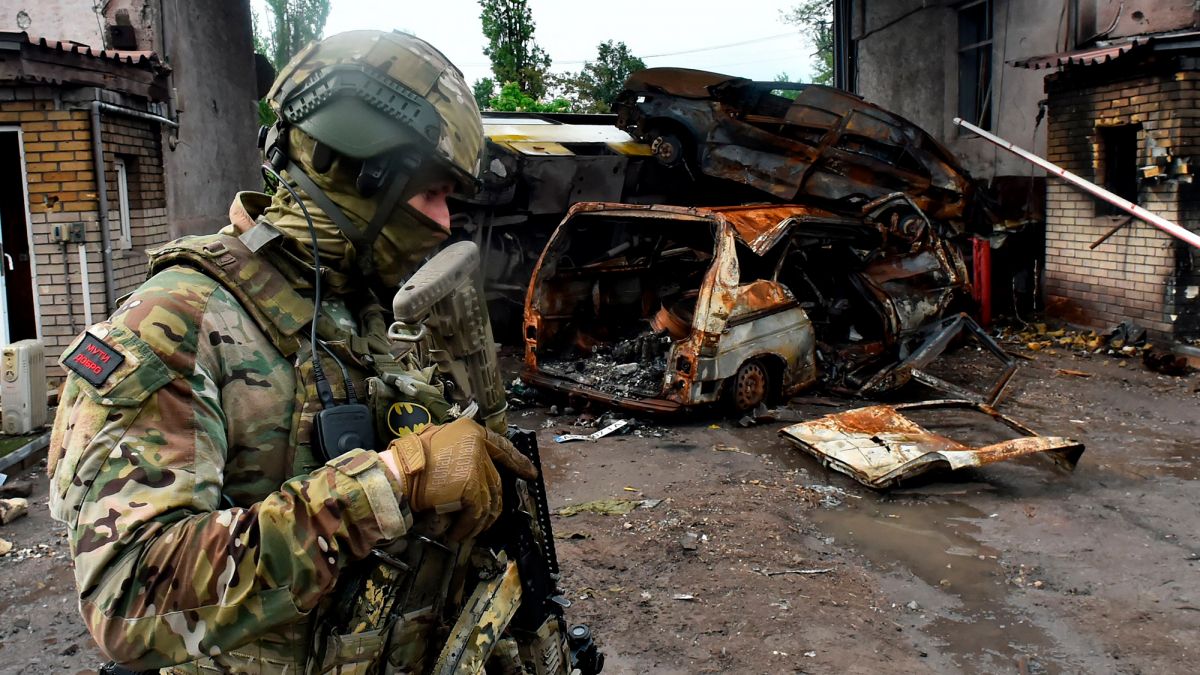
column 451, row 468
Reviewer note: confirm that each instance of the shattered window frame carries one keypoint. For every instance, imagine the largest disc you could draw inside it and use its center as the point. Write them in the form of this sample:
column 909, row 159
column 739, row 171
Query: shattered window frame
column 975, row 37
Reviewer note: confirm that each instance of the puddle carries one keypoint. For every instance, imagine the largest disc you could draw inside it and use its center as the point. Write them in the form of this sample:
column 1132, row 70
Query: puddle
column 963, row 603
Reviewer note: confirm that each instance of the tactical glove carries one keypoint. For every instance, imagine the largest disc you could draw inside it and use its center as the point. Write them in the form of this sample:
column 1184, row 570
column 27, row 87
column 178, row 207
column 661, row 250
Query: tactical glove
column 451, row 468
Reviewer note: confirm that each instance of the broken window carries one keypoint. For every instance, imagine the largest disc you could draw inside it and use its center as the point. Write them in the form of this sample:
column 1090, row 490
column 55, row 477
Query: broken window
column 1117, row 168
column 975, row 63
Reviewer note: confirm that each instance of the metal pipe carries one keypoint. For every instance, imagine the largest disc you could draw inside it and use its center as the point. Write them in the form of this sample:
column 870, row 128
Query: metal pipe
column 66, row 254
column 85, row 285
column 1090, row 187
column 102, row 215
column 102, row 186
column 130, row 112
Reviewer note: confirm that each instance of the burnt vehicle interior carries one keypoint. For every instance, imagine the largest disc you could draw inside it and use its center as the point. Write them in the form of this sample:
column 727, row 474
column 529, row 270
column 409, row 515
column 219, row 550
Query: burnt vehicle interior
column 615, row 292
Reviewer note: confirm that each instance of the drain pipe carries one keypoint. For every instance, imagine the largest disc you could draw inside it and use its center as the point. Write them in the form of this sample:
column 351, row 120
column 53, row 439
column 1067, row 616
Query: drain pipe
column 102, row 188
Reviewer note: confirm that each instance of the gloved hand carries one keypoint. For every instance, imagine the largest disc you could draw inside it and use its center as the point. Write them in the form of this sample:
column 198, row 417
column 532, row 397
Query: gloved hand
column 450, row 468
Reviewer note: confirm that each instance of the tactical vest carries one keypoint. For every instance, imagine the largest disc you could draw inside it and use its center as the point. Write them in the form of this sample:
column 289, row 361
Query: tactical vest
column 381, row 614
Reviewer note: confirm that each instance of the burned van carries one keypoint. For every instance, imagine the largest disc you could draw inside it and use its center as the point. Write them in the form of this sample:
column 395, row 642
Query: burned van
column 657, row 308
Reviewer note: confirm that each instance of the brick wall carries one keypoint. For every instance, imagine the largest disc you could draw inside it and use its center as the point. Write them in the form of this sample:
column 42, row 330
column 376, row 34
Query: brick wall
column 62, row 189
column 1131, row 275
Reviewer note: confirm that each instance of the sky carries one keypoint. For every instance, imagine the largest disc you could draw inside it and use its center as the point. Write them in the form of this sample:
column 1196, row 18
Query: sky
column 746, row 38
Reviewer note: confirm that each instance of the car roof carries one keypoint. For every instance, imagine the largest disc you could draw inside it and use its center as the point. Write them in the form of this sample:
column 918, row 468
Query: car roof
column 758, row 226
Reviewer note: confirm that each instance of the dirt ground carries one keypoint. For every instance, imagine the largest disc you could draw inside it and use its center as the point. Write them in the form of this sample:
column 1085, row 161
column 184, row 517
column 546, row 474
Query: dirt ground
column 758, row 560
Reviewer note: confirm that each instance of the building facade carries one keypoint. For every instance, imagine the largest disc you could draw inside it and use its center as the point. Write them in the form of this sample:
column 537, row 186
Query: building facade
column 1074, row 81
column 82, row 185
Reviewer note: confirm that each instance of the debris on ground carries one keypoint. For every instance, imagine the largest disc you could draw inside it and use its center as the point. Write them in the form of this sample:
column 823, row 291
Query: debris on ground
column 1165, row 362
column 608, row 507
column 879, row 446
column 17, row 488
column 5, row 546
column 593, row 437
column 11, row 509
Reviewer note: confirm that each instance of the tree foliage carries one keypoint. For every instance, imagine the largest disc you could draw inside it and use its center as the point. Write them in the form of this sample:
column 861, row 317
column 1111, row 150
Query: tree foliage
column 508, row 26
column 291, row 25
column 512, row 99
column 288, row 26
column 814, row 18
column 484, row 89
column 596, row 86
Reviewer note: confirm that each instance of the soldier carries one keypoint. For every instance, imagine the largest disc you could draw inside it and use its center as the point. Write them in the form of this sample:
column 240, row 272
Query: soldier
column 209, row 523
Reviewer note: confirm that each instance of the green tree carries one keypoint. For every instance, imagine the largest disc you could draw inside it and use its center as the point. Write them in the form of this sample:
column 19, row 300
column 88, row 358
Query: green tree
column 512, row 99
column 596, row 86
column 288, row 26
column 786, row 93
column 814, row 18
column 508, row 26
column 484, row 89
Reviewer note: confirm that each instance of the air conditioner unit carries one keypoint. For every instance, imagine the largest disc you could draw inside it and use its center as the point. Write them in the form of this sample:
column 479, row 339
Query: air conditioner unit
column 23, row 386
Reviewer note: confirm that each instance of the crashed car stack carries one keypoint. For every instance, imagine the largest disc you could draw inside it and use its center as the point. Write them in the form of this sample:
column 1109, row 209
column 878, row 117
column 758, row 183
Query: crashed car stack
column 848, row 272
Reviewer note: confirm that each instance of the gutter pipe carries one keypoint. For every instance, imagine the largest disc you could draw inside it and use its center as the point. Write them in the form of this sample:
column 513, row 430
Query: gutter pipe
column 102, row 188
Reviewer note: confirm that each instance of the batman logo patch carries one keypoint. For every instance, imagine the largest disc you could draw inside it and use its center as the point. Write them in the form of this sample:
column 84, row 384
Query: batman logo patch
column 407, row 418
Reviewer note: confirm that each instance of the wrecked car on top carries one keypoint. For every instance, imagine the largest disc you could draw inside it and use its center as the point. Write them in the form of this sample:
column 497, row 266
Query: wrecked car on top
column 657, row 308
column 794, row 142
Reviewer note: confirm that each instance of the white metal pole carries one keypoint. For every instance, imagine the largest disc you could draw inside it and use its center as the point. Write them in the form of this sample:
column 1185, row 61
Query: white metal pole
column 85, row 286
column 1088, row 186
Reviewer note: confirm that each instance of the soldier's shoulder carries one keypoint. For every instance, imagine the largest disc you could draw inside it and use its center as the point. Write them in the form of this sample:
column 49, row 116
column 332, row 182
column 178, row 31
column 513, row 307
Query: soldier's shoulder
column 170, row 310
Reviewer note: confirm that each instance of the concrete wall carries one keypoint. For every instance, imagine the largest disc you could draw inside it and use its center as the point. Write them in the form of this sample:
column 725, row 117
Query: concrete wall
column 1122, row 18
column 53, row 19
column 210, row 50
column 911, row 68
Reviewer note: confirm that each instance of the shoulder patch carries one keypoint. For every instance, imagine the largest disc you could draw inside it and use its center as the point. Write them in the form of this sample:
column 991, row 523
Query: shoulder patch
column 93, row 359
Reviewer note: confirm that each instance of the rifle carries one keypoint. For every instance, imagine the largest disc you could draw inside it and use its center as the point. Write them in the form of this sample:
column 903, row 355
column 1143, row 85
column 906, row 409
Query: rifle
column 514, row 615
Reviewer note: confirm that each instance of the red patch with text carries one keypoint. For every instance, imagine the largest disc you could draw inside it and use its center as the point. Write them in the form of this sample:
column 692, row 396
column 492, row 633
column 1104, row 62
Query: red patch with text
column 93, row 360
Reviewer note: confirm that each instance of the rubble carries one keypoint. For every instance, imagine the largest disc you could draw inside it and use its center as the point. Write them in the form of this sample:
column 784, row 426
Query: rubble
column 11, row 509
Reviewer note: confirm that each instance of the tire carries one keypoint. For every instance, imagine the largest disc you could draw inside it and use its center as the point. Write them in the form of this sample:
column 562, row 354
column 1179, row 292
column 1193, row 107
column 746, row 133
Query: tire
column 749, row 387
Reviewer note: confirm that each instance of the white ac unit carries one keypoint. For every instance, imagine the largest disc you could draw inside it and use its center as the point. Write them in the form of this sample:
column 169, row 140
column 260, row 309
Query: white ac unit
column 23, row 386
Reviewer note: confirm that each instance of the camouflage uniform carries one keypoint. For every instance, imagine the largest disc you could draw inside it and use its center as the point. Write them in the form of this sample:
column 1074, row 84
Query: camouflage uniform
column 205, row 529
column 198, row 515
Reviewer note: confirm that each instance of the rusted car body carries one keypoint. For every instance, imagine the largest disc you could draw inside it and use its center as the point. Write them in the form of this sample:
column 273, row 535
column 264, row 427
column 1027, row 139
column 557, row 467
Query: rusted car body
column 794, row 141
column 658, row 308
column 881, row 446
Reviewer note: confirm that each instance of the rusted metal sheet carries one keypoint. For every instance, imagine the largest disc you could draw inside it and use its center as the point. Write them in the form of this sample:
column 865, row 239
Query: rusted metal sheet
column 823, row 144
column 879, row 446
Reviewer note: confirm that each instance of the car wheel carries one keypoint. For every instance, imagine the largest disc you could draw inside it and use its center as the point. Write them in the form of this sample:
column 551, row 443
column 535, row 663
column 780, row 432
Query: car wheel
column 667, row 149
column 749, row 387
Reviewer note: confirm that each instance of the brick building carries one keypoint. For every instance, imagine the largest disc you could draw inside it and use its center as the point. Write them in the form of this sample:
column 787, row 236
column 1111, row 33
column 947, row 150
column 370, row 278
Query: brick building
column 71, row 249
column 1126, row 116
column 1124, row 82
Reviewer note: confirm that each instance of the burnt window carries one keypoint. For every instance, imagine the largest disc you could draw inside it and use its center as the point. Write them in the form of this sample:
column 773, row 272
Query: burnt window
column 1117, row 168
column 975, row 63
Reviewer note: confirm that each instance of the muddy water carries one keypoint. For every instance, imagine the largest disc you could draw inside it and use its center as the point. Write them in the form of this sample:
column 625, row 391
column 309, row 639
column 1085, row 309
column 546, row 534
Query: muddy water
column 963, row 606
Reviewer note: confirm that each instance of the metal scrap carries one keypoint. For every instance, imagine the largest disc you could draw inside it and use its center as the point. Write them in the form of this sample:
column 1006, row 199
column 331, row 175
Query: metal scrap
column 879, row 446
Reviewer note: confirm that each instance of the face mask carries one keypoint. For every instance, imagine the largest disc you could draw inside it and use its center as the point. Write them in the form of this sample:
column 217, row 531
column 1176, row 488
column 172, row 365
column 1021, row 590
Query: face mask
column 406, row 238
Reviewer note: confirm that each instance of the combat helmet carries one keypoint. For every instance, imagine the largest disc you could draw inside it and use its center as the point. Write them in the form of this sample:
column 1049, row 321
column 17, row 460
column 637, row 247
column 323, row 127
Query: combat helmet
column 388, row 99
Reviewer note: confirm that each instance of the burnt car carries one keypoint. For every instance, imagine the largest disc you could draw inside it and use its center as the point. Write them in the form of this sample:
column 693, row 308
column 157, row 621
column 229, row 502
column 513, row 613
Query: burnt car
column 657, row 308
column 795, row 142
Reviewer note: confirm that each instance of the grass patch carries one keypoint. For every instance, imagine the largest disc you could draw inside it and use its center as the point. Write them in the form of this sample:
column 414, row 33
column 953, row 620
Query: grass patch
column 9, row 444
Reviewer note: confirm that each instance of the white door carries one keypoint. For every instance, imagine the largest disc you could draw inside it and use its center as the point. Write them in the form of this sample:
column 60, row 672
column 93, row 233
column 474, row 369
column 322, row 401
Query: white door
column 6, row 266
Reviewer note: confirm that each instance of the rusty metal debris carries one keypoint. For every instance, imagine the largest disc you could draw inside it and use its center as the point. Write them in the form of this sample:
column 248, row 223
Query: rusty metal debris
column 793, row 141
column 657, row 308
column 880, row 446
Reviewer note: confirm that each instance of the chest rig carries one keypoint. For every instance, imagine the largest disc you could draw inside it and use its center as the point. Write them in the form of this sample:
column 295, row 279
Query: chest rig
column 385, row 609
